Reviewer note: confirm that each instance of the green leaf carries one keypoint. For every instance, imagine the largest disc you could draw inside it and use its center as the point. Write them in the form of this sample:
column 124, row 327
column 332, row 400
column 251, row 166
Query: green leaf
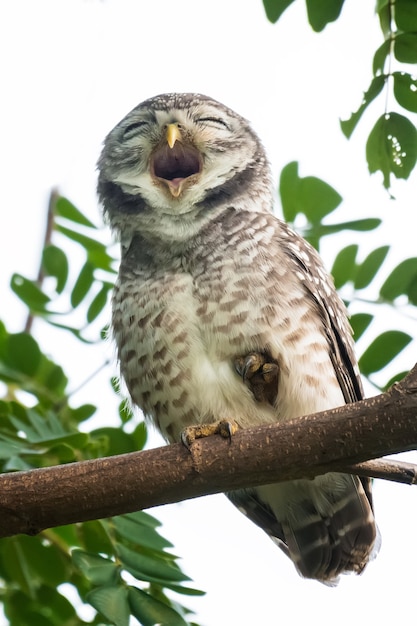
column 380, row 57
column 46, row 562
column 16, row 565
column 98, row 303
column 48, row 430
column 405, row 47
column 86, row 242
column 55, row 263
column 392, row 147
column 383, row 350
column 75, row 331
column 45, row 608
column 112, row 602
column 321, row 13
column 364, row 225
column 288, row 189
column 315, row 232
column 82, row 413
column 100, row 258
column 383, row 9
column 28, row 291
column 368, row 269
column 23, row 353
column 53, row 376
column 140, row 435
column 401, row 281
column 310, row 195
column 395, row 379
column 16, row 464
column 375, row 88
column 150, row 611
column 59, row 610
column 97, row 569
column 186, row 591
column 94, row 537
column 150, row 568
column 125, row 412
column 8, row 449
column 143, row 519
column 140, row 533
column 344, row 266
column 116, row 441
column 65, row 208
column 317, row 198
column 83, row 284
column 359, row 323
column 405, row 90
column 275, row 8
column 405, row 15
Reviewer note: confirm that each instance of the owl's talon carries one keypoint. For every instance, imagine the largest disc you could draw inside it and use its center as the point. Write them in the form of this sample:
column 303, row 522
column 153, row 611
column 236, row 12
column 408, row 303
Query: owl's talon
column 225, row 428
column 259, row 373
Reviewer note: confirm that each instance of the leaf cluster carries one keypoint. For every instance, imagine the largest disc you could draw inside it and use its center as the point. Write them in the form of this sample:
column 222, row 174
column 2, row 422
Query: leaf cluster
column 120, row 566
column 63, row 295
column 391, row 147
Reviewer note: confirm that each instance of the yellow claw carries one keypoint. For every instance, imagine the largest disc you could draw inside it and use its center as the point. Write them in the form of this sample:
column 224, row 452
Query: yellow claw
column 173, row 134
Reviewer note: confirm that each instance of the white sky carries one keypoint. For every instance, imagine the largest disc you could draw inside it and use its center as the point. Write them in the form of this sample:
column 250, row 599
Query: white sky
column 70, row 70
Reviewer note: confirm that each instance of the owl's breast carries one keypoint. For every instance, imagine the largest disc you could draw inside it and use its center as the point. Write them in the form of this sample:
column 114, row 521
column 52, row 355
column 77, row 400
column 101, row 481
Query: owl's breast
column 181, row 320
column 177, row 334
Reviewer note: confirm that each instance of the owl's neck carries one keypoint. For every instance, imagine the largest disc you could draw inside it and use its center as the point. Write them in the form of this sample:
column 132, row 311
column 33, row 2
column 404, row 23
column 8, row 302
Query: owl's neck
column 131, row 214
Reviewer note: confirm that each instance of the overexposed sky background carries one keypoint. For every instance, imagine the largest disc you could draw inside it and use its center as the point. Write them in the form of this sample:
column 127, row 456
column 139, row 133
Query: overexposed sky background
column 70, row 70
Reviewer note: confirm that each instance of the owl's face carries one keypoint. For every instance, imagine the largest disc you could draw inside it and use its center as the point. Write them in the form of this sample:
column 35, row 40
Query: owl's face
column 173, row 151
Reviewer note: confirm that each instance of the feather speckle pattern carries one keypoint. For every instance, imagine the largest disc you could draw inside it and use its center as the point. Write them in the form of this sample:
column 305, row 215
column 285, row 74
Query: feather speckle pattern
column 208, row 275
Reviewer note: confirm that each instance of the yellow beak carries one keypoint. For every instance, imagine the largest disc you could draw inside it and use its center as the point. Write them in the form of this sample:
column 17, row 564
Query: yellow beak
column 173, row 134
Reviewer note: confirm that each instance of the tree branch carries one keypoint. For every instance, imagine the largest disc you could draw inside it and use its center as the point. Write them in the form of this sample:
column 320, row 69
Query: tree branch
column 337, row 440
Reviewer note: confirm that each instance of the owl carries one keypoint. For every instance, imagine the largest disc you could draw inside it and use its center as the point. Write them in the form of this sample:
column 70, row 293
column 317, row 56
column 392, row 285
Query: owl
column 223, row 315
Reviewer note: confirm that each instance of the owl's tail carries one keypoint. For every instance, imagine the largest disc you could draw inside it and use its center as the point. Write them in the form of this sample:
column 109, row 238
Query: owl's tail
column 326, row 525
column 332, row 533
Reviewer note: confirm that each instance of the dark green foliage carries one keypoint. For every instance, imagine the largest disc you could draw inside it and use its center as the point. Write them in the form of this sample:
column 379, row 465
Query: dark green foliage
column 314, row 199
column 402, row 281
column 93, row 556
column 392, row 147
column 319, row 12
column 368, row 269
column 383, row 350
column 275, row 8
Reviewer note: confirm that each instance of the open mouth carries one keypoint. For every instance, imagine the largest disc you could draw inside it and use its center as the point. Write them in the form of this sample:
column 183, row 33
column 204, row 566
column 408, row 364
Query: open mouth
column 174, row 166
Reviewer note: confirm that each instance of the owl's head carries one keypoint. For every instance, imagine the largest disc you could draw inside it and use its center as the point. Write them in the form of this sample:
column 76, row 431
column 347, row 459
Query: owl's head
column 177, row 155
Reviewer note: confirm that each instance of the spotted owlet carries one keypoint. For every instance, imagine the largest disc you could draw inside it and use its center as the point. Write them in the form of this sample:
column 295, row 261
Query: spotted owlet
column 221, row 312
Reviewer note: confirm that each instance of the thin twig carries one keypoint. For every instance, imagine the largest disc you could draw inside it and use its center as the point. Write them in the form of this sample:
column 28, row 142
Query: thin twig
column 386, row 469
column 53, row 197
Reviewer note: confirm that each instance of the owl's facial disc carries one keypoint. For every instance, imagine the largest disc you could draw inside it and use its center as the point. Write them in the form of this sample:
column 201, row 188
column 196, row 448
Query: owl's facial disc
column 175, row 164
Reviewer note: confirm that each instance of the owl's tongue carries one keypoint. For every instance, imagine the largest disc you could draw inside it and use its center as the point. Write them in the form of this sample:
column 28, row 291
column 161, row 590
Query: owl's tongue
column 174, row 165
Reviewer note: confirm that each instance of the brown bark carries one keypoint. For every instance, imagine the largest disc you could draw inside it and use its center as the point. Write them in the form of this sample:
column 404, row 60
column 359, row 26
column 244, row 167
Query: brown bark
column 311, row 445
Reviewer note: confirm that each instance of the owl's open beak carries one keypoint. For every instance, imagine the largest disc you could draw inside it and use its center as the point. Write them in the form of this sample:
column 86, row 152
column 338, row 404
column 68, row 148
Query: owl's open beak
column 175, row 163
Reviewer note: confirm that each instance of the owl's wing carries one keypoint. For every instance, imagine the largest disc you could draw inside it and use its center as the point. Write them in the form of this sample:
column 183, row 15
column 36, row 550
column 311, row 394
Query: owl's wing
column 332, row 311
column 319, row 286
column 248, row 503
column 313, row 539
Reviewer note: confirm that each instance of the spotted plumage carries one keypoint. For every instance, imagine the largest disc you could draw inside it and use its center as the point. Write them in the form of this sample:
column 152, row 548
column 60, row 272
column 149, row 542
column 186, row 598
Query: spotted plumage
column 209, row 275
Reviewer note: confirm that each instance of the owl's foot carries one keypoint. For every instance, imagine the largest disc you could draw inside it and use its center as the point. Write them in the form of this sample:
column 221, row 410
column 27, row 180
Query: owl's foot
column 260, row 374
column 224, row 428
